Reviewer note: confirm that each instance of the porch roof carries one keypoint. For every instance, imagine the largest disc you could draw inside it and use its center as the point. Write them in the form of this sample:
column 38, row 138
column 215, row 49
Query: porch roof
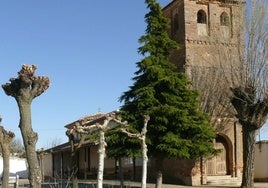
column 67, row 146
column 84, row 121
column 90, row 119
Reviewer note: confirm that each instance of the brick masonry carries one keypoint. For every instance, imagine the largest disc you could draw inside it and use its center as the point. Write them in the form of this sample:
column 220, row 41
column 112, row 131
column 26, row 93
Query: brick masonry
column 216, row 42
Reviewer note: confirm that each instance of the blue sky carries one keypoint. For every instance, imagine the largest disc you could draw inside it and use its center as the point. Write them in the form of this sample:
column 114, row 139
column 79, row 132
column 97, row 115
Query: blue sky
column 87, row 48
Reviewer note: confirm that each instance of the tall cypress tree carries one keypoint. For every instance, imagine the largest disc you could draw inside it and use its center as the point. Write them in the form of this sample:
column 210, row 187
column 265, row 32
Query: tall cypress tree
column 177, row 128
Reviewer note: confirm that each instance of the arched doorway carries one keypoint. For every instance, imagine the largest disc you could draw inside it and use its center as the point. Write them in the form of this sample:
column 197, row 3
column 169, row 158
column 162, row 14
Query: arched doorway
column 221, row 164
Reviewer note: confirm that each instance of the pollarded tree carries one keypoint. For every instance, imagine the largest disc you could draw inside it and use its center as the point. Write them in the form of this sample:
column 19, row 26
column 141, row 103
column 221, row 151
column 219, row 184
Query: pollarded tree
column 141, row 136
column 105, row 123
column 5, row 139
column 244, row 67
column 75, row 146
column 177, row 128
column 24, row 89
column 250, row 95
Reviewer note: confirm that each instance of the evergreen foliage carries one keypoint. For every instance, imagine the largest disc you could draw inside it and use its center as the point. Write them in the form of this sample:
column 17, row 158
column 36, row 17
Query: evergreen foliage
column 120, row 145
column 177, row 128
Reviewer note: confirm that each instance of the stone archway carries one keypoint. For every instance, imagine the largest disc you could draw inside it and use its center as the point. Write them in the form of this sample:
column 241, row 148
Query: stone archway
column 222, row 164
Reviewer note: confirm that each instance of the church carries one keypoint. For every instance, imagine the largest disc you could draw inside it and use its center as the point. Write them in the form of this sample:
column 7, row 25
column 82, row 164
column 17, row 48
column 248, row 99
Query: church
column 210, row 41
column 210, row 38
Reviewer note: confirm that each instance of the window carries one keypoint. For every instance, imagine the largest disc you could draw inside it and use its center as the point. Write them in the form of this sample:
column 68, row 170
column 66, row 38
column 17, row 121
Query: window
column 201, row 17
column 202, row 23
column 225, row 25
column 225, row 19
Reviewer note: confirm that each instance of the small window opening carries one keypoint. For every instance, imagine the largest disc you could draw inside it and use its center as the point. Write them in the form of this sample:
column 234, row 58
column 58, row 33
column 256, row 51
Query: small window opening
column 225, row 19
column 201, row 17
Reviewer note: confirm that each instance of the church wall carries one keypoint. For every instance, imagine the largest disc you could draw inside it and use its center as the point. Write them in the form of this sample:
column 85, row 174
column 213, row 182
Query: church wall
column 175, row 13
column 239, row 165
column 208, row 44
column 191, row 9
column 260, row 163
column 232, row 131
column 178, row 171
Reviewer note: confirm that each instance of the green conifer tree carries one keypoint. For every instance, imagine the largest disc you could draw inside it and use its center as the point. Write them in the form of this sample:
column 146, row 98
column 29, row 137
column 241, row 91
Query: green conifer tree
column 177, row 128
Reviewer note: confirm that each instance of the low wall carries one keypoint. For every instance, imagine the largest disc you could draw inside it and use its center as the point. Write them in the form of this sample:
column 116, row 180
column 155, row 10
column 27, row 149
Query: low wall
column 261, row 161
column 17, row 166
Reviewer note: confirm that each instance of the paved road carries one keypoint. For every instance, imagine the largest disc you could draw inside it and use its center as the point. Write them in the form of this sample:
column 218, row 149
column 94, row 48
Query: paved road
column 257, row 185
column 137, row 184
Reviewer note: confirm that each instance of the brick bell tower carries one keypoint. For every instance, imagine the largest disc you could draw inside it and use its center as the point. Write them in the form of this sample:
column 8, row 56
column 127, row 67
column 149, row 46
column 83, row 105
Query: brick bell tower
column 201, row 27
column 209, row 36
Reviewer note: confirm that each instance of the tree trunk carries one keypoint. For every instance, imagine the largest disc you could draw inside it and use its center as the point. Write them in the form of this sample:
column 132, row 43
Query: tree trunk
column 101, row 159
column 159, row 179
column 134, row 168
column 5, row 139
column 75, row 145
column 29, row 139
column 24, row 89
column 144, row 160
column 75, row 182
column 249, row 139
column 74, row 168
column 6, row 154
column 159, row 175
column 121, row 175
